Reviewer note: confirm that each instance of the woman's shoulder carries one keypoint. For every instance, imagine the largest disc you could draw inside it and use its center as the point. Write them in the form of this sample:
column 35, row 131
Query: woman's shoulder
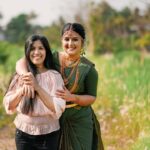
column 55, row 76
column 86, row 61
column 54, row 73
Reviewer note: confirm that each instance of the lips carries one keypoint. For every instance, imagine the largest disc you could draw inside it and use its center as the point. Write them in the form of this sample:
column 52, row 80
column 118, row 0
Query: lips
column 71, row 49
column 37, row 57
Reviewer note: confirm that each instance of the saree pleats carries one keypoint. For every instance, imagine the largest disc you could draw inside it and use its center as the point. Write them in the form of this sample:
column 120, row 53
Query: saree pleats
column 76, row 126
column 97, row 140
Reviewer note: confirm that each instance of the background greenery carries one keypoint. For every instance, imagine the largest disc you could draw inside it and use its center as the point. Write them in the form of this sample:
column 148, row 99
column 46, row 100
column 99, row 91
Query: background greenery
column 118, row 42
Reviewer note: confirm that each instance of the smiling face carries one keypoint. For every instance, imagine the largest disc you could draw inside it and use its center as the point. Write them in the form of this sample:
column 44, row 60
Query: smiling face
column 72, row 43
column 37, row 54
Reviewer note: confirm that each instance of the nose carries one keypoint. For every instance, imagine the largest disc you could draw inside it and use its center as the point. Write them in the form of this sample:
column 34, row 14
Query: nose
column 36, row 51
column 70, row 43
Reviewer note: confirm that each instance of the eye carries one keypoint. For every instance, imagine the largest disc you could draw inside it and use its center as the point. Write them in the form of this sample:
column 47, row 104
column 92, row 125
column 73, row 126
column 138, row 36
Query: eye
column 41, row 48
column 75, row 39
column 32, row 48
column 66, row 39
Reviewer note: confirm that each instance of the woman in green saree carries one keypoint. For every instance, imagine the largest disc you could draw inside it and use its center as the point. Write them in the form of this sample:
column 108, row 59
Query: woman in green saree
column 80, row 129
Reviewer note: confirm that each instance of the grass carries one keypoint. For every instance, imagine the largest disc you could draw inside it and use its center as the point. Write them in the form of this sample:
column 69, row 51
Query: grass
column 123, row 101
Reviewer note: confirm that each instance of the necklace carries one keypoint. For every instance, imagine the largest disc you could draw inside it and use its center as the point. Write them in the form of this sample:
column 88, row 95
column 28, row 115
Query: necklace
column 74, row 69
column 70, row 62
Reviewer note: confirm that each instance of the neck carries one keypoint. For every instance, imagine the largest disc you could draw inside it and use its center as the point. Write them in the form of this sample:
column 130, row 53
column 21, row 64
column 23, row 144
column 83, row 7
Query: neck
column 41, row 69
column 72, row 58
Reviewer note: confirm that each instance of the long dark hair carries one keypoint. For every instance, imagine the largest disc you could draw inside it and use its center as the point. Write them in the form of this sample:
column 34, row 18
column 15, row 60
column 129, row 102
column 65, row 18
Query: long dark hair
column 78, row 28
column 48, row 63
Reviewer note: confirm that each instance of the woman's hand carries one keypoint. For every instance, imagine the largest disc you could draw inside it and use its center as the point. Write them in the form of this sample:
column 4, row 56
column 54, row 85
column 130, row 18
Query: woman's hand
column 66, row 95
column 28, row 91
column 28, row 83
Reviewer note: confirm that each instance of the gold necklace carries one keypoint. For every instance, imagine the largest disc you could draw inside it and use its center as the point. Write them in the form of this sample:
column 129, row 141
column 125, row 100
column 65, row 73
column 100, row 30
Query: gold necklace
column 74, row 68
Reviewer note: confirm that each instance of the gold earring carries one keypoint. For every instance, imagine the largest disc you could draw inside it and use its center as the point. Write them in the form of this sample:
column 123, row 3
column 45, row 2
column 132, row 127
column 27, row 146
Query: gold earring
column 82, row 52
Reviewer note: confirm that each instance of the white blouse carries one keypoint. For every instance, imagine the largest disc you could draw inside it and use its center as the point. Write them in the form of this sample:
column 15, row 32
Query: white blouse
column 42, row 120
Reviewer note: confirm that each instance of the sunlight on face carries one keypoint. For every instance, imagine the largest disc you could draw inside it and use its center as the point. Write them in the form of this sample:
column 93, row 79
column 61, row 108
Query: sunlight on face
column 72, row 43
column 38, row 54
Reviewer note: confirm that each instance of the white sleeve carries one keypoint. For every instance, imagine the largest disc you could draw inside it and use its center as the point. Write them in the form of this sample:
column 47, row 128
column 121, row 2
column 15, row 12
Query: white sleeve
column 10, row 94
column 59, row 103
column 51, row 83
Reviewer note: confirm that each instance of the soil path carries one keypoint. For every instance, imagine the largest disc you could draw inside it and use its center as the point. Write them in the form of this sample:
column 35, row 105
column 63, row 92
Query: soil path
column 7, row 140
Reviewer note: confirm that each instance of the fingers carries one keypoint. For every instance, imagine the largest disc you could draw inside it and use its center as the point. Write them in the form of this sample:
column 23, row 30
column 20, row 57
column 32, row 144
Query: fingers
column 28, row 91
column 60, row 91
column 27, row 76
column 60, row 94
column 25, row 91
column 28, row 80
column 29, row 83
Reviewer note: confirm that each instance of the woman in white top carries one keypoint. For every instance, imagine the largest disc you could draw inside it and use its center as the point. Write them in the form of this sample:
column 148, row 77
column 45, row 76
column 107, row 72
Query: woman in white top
column 37, row 120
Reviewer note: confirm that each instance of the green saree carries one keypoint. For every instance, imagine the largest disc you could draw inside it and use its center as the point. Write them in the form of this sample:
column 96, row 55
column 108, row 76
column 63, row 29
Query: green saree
column 80, row 129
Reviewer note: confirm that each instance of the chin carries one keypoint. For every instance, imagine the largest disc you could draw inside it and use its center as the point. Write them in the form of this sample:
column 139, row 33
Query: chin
column 71, row 53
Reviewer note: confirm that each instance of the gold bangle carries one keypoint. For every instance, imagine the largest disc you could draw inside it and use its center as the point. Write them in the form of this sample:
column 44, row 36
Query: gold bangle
column 71, row 105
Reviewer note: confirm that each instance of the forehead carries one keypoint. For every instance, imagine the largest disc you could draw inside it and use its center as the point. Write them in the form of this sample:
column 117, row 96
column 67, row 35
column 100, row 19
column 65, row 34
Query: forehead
column 37, row 42
column 71, row 34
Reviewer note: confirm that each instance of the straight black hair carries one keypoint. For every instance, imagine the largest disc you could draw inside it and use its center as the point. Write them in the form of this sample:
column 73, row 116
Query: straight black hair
column 48, row 63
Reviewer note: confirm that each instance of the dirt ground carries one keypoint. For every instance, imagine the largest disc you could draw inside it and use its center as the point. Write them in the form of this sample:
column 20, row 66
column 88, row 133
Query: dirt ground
column 7, row 140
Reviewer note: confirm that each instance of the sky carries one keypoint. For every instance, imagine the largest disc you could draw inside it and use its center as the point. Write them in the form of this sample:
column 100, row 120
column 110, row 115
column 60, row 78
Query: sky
column 50, row 10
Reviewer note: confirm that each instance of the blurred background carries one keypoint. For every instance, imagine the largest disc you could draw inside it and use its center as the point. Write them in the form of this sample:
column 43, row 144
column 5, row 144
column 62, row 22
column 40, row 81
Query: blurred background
column 118, row 42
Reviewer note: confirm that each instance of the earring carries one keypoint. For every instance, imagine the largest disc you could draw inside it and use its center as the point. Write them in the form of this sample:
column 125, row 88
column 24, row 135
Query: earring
column 82, row 52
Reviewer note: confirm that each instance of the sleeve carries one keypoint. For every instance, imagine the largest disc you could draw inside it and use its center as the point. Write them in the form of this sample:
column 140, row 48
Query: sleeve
column 91, row 82
column 51, row 83
column 14, row 84
column 59, row 103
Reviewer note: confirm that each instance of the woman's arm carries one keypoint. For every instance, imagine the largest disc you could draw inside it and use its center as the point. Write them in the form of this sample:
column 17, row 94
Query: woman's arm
column 29, row 79
column 13, row 96
column 82, row 100
column 90, row 83
column 21, row 66
column 55, row 106
column 45, row 98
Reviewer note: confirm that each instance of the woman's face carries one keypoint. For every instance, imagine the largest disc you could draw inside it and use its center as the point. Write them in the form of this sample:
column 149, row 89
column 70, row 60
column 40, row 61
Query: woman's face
column 72, row 43
column 37, row 54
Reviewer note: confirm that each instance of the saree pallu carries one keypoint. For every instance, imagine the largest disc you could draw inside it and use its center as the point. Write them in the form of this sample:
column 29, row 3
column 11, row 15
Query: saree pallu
column 77, row 124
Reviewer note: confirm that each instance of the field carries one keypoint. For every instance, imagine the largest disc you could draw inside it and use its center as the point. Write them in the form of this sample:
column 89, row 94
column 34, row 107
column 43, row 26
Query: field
column 122, row 105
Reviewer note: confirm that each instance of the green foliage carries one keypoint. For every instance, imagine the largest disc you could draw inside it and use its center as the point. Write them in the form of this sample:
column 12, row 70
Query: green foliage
column 4, row 118
column 142, row 144
column 123, row 99
column 53, row 33
column 143, row 41
column 114, row 31
column 19, row 28
column 9, row 54
column 108, row 30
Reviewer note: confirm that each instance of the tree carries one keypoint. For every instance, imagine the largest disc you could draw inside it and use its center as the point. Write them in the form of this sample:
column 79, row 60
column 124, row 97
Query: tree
column 19, row 28
column 99, row 23
column 53, row 33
